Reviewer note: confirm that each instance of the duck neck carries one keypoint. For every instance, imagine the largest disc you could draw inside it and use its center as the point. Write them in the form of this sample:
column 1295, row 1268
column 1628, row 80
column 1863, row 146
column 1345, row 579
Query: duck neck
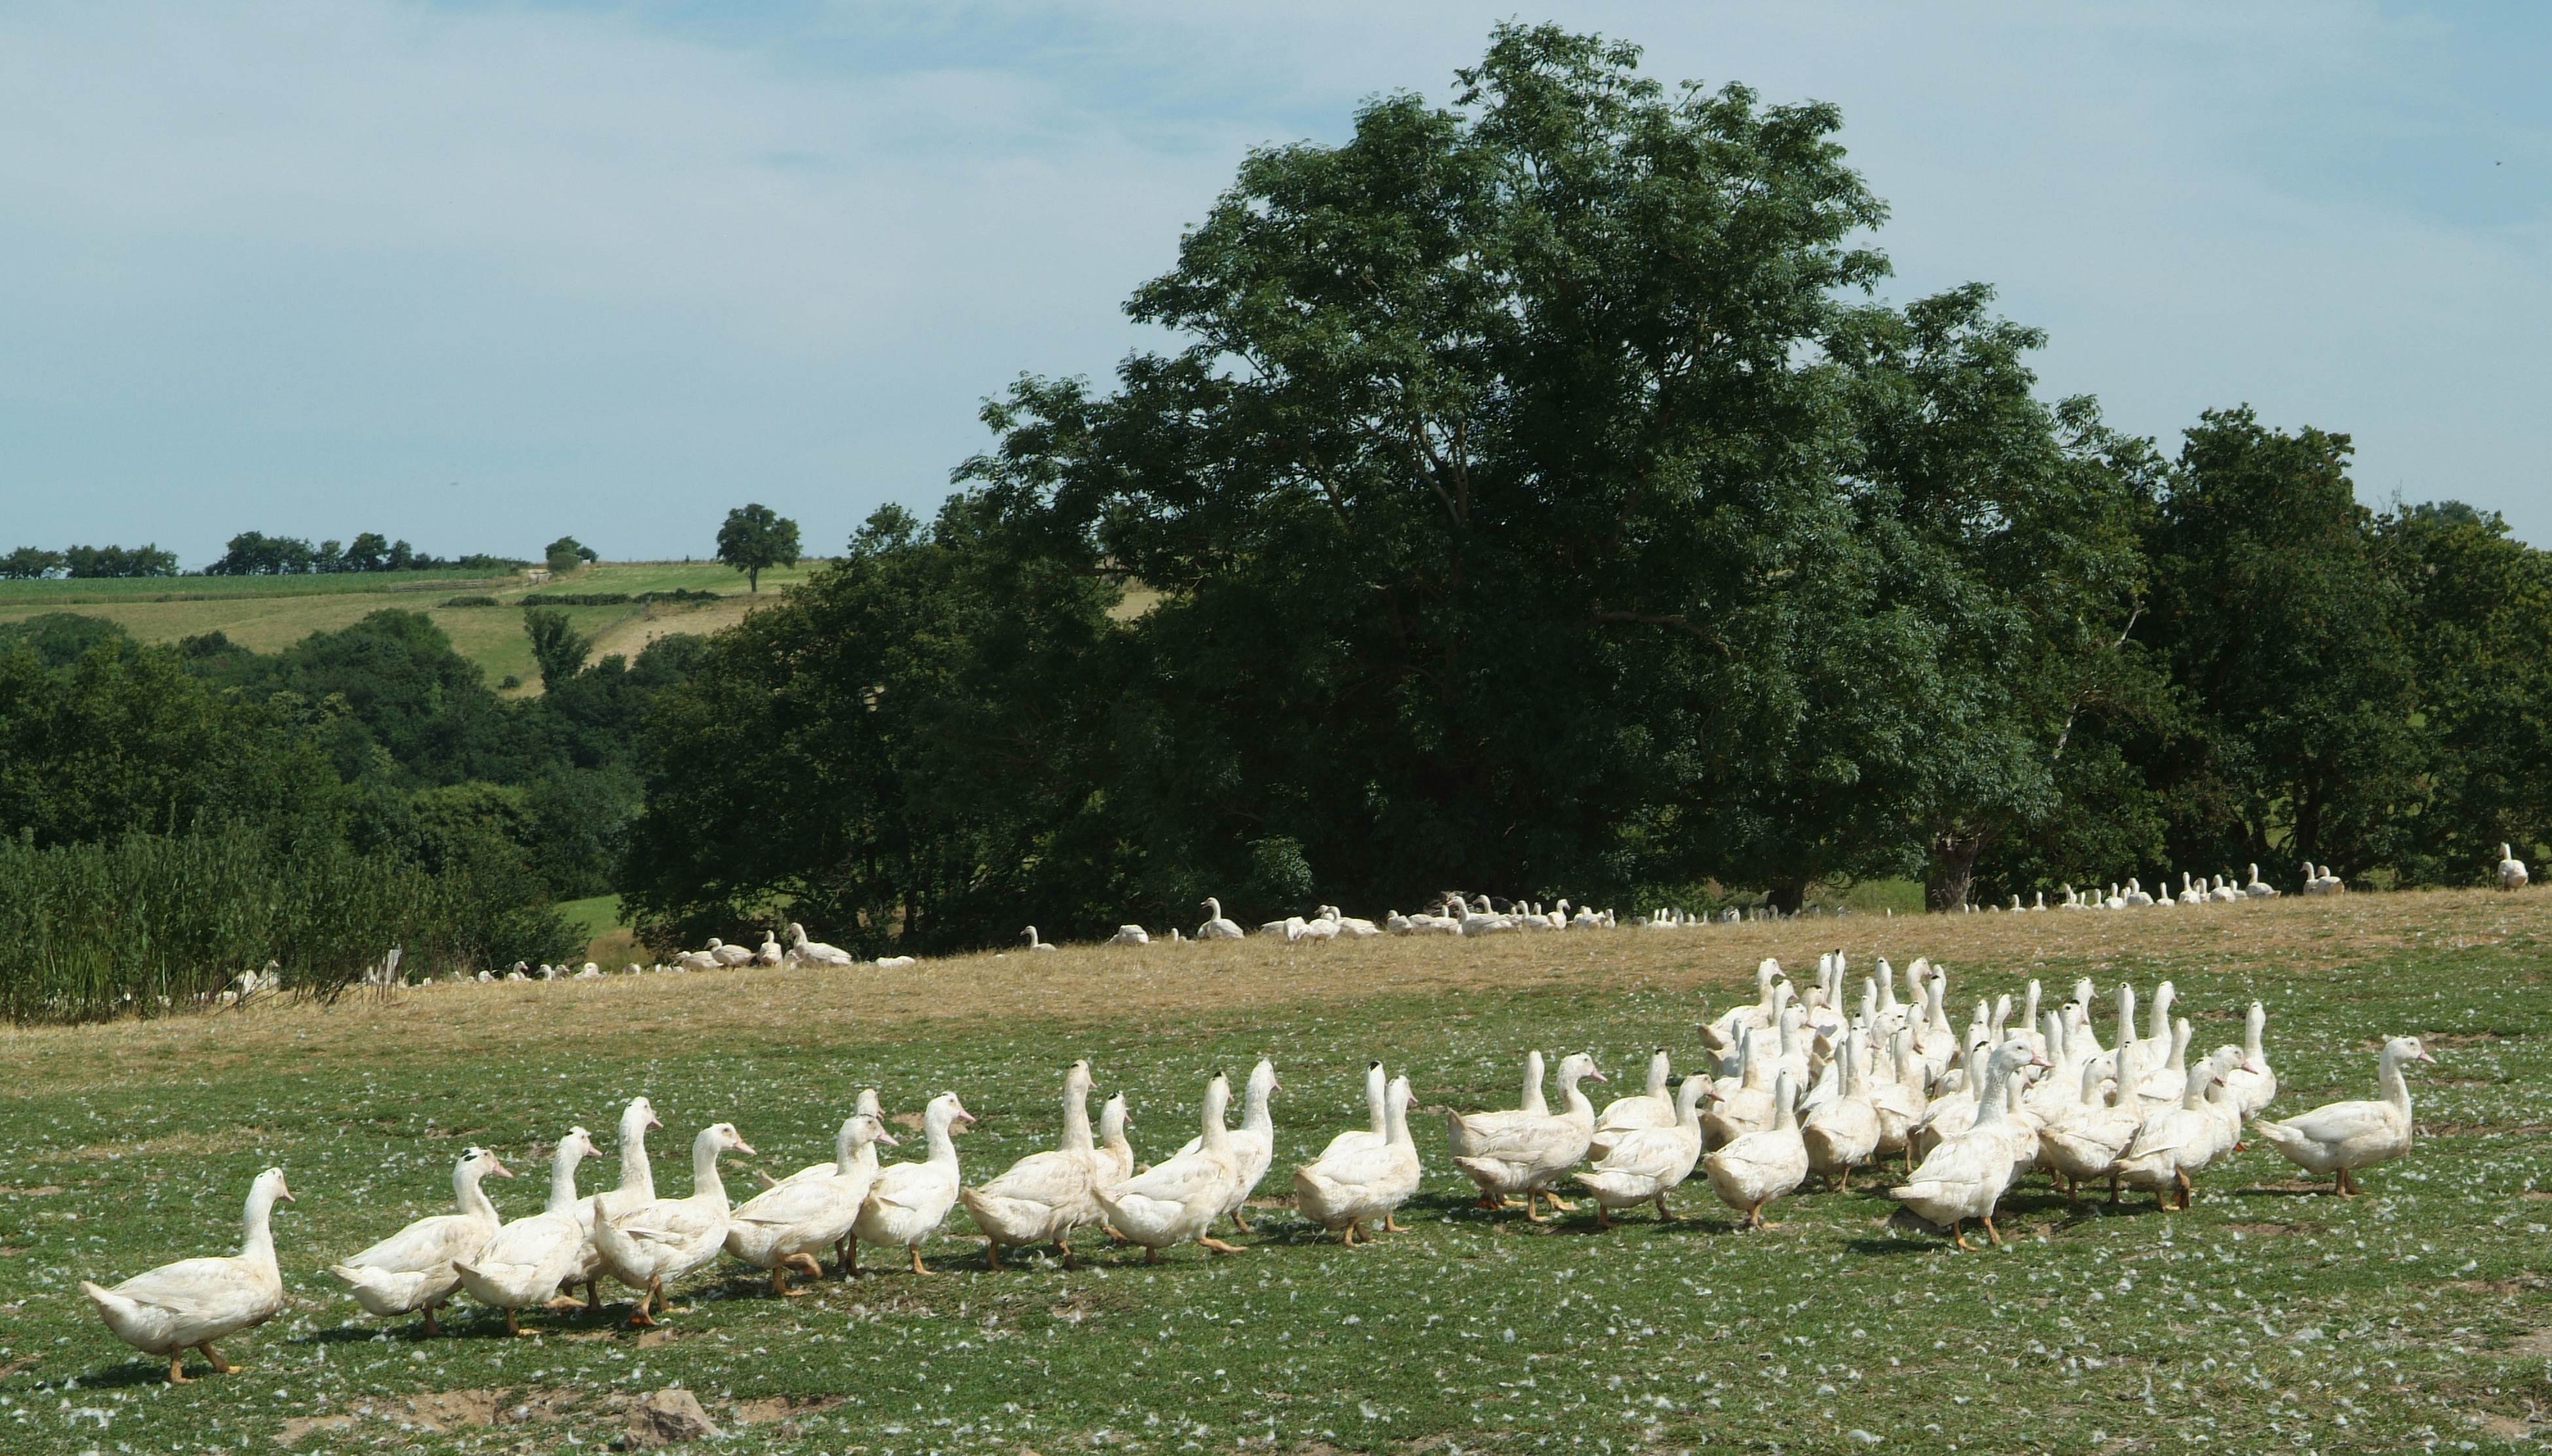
column 1786, row 1118
column 466, row 1191
column 1211, row 1134
column 2252, row 1027
column 705, row 1182
column 637, row 1172
column 1395, row 1122
column 943, row 1147
column 1573, row 1097
column 1254, row 1116
column 1991, row 1099
column 1658, row 1073
column 1111, row 1136
column 256, row 1233
column 1076, row 1116
column 2396, row 1088
column 562, row 1176
column 1534, row 1101
column 1377, row 1101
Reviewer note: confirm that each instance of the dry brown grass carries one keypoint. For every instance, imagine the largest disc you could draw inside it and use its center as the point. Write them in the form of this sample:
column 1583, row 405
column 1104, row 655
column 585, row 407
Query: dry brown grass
column 1177, row 986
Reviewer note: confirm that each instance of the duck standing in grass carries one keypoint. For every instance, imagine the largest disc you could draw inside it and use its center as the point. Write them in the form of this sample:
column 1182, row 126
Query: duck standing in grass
column 909, row 1200
column 1356, row 1178
column 1759, row 1168
column 785, row 1226
column 2339, row 1138
column 1645, row 1163
column 660, row 1242
column 411, row 1270
column 188, row 1304
column 1177, row 1200
column 524, row 1263
column 1042, row 1198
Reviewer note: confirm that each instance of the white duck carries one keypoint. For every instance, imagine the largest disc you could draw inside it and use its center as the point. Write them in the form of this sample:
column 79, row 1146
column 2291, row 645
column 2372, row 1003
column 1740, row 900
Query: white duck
column 1965, row 1177
column 815, row 952
column 1458, row 1135
column 1525, row 1152
column 525, row 1261
column 1177, row 1200
column 2176, row 1141
column 1898, row 1099
column 1253, row 1142
column 866, row 1104
column 1042, row 1198
column 1377, row 1094
column 2083, row 1146
column 909, row 1200
column 2257, row 889
column 1654, row 1106
column 1761, row 1167
column 1130, row 934
column 1356, row 1179
column 2511, row 869
column 2339, row 1138
column 188, row 1304
column 1645, row 1163
column 1217, row 925
column 411, row 1270
column 783, row 1226
column 670, row 1237
column 637, row 1189
column 1034, row 944
column 2252, row 1082
column 1842, row 1133
column 1116, row 1156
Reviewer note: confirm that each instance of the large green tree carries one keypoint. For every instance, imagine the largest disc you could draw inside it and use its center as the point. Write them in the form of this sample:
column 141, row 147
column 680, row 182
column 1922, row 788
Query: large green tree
column 754, row 538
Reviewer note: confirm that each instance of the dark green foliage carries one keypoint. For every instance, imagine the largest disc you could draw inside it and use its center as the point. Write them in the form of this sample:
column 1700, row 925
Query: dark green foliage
column 567, row 553
column 755, row 538
column 469, row 601
column 906, row 745
column 256, row 554
column 145, row 923
column 557, row 646
column 30, row 564
column 119, row 561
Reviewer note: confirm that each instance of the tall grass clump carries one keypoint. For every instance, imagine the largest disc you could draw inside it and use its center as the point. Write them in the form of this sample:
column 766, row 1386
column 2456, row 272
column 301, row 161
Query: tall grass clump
column 147, row 923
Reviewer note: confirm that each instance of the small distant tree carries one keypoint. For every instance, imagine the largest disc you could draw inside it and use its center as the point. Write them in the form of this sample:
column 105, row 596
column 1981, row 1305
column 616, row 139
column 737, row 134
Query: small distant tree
column 567, row 553
column 556, row 644
column 756, row 537
column 367, row 551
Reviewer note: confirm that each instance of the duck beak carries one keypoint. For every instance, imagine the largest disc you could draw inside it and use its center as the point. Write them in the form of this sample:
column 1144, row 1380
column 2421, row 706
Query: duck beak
column 890, row 1139
column 654, row 1121
column 282, row 1192
column 744, row 1147
column 497, row 1167
column 1597, row 1076
column 2424, row 1055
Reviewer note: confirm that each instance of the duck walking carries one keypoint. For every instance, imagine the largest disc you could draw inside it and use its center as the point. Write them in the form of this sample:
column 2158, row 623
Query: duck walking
column 662, row 1241
column 1253, row 1142
column 1042, row 1198
column 1178, row 1199
column 525, row 1260
column 188, row 1304
column 2338, row 1138
column 1356, row 1179
column 786, row 1226
column 1524, row 1152
column 909, row 1200
column 411, row 1270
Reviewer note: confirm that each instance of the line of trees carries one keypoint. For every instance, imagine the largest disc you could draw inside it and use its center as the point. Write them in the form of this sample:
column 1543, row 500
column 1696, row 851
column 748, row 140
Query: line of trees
column 35, row 563
column 1540, row 499
column 256, row 554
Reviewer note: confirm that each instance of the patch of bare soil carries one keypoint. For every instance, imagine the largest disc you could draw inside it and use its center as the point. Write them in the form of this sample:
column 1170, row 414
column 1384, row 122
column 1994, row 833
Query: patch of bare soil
column 2504, row 1427
column 299, row 1426
column 767, row 1409
column 2261, row 1228
column 448, row 1410
column 2533, row 1342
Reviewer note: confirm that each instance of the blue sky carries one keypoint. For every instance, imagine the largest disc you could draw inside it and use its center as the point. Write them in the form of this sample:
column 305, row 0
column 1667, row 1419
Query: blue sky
column 480, row 275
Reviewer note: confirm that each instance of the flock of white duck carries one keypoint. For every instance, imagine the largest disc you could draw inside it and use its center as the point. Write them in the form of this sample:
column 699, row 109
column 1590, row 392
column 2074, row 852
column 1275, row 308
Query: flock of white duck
column 1792, row 1084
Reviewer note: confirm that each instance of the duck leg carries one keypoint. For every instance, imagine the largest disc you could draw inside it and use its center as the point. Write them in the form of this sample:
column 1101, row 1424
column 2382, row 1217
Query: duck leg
column 1065, row 1248
column 1664, row 1213
column 2113, row 1189
column 1531, row 1209
column 220, row 1364
column 2180, row 1180
column 1391, row 1225
column 639, row 1318
column 177, row 1375
column 1959, row 1234
column 848, row 1257
column 512, row 1327
column 1990, row 1230
column 1151, row 1255
column 1560, row 1204
column 992, row 1255
column 2345, row 1187
column 915, row 1251
column 431, row 1327
column 1241, row 1223
column 1217, row 1246
column 1603, row 1218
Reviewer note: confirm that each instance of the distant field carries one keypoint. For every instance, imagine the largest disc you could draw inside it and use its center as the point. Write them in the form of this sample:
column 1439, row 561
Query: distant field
column 2272, row 1317
column 266, row 613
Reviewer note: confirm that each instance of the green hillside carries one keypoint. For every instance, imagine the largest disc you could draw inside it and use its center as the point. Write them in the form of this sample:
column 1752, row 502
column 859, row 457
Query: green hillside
column 265, row 613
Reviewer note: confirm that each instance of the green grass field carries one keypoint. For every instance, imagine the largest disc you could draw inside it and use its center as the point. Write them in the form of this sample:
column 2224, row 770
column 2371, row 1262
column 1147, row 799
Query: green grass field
column 2270, row 1317
column 266, row 613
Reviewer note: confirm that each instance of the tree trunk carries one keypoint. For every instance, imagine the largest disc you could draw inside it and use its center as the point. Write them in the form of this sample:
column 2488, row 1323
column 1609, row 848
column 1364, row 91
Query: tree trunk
column 1950, row 879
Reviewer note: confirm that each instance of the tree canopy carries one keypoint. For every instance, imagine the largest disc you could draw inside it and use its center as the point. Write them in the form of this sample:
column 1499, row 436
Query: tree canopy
column 756, row 538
